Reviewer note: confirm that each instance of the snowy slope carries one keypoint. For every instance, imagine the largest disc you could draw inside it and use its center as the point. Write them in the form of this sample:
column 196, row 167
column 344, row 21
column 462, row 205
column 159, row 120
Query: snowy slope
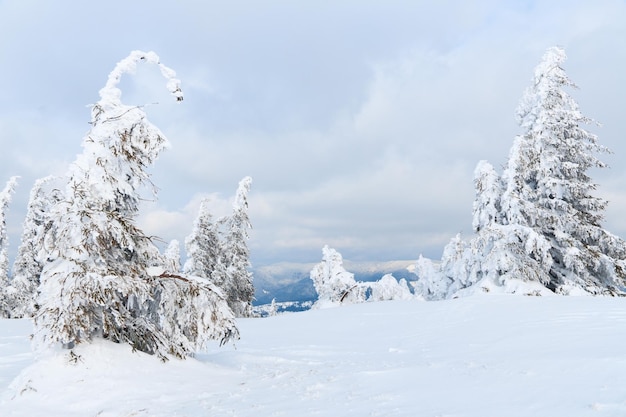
column 479, row 356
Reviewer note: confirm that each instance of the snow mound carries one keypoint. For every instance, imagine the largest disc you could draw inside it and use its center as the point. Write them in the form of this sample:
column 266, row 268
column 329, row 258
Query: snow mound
column 509, row 286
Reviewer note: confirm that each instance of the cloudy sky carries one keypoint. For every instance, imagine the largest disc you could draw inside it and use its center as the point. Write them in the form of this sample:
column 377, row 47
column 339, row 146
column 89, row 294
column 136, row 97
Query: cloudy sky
column 359, row 121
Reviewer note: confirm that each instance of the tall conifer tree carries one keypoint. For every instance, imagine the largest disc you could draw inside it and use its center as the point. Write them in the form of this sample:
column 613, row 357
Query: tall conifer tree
column 548, row 188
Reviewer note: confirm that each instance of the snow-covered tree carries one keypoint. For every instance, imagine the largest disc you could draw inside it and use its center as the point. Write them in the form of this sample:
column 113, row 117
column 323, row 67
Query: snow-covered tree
column 547, row 187
column 431, row 284
column 273, row 310
column 232, row 272
column 5, row 199
column 488, row 187
column 172, row 257
column 203, row 245
column 437, row 278
column 99, row 279
column 31, row 255
column 334, row 285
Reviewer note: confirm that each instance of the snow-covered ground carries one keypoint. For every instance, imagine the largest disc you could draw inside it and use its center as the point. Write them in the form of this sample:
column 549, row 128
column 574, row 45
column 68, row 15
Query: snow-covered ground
column 479, row 356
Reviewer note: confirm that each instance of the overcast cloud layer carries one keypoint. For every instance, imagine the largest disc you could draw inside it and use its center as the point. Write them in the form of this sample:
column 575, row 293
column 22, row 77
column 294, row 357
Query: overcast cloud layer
column 360, row 122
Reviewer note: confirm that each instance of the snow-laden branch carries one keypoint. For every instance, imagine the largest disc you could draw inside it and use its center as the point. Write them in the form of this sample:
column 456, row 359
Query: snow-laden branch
column 111, row 94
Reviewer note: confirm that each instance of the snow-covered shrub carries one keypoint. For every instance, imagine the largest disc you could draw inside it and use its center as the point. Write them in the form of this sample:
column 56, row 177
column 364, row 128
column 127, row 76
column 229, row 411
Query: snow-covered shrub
column 388, row 288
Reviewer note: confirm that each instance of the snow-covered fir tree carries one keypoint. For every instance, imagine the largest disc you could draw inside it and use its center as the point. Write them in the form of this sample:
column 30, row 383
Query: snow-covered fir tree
column 548, row 187
column 31, row 255
column 5, row 291
column 232, row 273
column 99, row 279
column 334, row 285
column 172, row 257
column 488, row 188
column 203, row 246
column 539, row 223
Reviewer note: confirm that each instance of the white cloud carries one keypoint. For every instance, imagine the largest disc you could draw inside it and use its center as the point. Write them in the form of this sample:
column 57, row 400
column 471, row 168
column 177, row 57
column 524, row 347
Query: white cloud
column 359, row 122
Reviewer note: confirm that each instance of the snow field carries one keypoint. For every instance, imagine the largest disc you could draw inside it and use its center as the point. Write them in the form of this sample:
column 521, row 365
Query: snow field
column 496, row 355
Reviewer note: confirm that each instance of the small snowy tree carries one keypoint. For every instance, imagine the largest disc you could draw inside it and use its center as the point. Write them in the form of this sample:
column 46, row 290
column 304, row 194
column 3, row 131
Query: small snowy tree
column 172, row 257
column 437, row 280
column 232, row 271
column 203, row 245
column 30, row 255
column 273, row 310
column 334, row 285
column 5, row 199
column 488, row 187
column 431, row 283
column 98, row 280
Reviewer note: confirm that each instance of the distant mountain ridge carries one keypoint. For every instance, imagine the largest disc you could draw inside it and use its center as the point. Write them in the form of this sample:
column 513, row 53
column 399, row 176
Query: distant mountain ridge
column 289, row 281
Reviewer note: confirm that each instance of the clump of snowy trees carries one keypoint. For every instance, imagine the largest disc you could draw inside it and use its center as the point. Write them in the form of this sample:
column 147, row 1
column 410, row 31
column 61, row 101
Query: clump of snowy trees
column 335, row 286
column 20, row 293
column 537, row 225
column 84, row 269
column 218, row 251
